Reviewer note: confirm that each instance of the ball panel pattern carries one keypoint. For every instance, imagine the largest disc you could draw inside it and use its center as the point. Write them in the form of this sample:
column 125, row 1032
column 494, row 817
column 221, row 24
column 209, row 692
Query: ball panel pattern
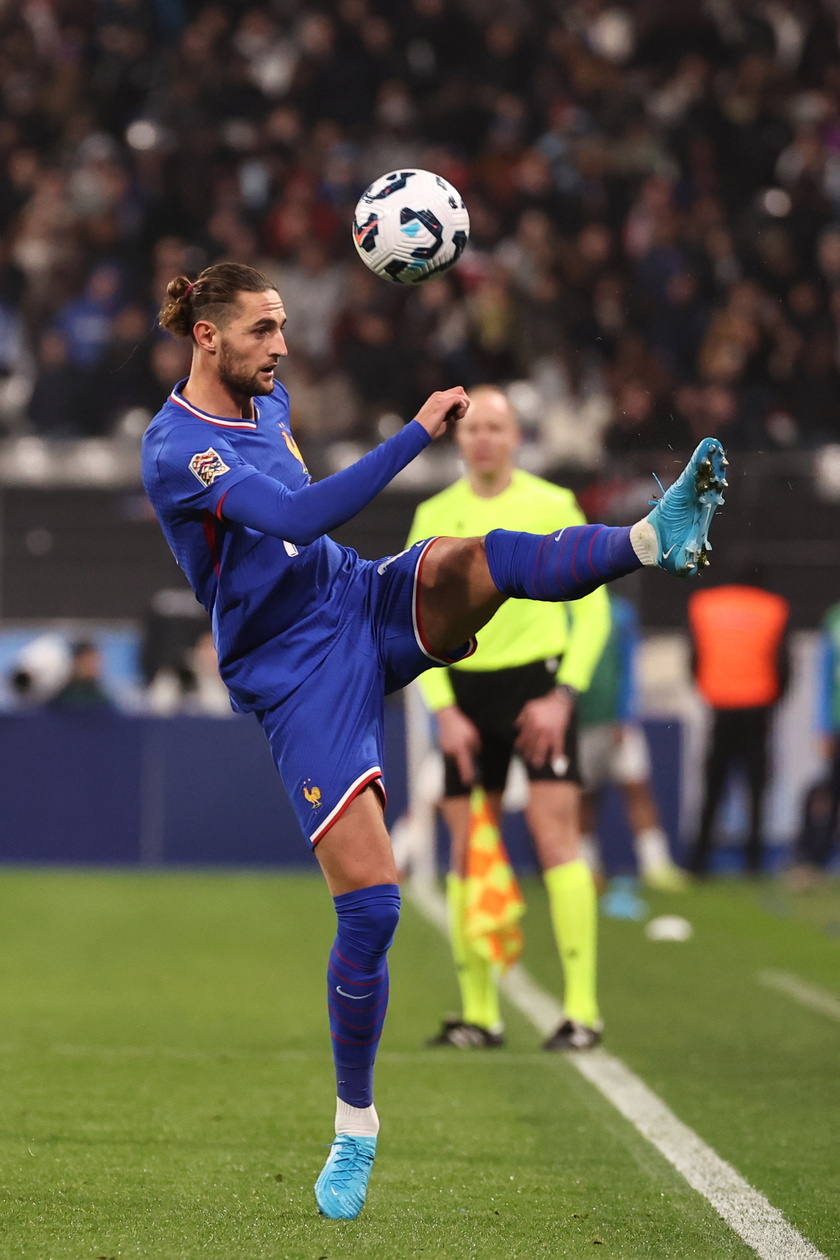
column 410, row 225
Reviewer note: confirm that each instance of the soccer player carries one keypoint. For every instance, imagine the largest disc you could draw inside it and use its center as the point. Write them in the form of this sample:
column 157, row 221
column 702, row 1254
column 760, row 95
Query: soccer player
column 310, row 637
column 614, row 749
column 821, row 806
column 517, row 692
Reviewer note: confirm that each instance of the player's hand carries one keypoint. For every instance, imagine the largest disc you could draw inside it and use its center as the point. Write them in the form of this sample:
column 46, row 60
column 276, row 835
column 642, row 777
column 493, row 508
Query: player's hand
column 542, row 727
column 443, row 408
column 458, row 738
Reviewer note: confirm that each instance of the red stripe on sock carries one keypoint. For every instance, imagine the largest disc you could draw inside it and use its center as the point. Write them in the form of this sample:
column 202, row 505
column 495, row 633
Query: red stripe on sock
column 360, row 984
column 370, row 1041
column 591, row 545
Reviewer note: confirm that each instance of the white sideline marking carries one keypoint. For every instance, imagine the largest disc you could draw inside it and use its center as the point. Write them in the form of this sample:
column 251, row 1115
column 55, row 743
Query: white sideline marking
column 745, row 1210
column 805, row 994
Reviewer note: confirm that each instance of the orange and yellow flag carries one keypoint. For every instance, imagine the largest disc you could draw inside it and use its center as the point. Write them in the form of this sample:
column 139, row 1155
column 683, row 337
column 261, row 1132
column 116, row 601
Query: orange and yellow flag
column 494, row 902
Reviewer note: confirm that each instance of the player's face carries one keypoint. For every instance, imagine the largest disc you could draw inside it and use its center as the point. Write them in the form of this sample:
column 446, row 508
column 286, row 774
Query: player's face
column 252, row 344
column 488, row 435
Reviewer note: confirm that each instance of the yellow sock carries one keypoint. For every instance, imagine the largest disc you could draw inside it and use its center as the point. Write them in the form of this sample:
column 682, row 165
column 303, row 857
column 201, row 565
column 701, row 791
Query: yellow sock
column 476, row 976
column 574, row 917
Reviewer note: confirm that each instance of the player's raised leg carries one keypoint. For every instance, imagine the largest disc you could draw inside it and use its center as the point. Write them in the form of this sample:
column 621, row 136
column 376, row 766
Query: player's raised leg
column 358, row 864
column 464, row 581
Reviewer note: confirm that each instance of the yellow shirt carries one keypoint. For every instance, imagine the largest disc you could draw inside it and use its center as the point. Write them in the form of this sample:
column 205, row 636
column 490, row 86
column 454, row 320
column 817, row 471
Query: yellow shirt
column 523, row 630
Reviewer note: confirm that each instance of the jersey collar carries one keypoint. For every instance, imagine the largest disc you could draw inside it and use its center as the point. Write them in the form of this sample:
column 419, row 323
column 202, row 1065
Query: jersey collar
column 178, row 398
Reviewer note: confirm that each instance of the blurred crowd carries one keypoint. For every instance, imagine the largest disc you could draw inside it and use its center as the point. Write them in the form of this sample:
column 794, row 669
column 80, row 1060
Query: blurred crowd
column 654, row 191
column 57, row 671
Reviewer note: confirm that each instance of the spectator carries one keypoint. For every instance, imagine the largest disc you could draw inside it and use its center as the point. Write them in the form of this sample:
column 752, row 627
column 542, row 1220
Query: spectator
column 821, row 806
column 87, row 321
column 83, row 691
column 674, row 213
column 59, row 405
column 193, row 686
column 614, row 749
column 41, row 669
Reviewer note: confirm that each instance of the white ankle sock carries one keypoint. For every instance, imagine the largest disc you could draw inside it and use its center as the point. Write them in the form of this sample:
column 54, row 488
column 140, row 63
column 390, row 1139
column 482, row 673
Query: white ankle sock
column 652, row 849
column 589, row 853
column 356, row 1121
column 644, row 542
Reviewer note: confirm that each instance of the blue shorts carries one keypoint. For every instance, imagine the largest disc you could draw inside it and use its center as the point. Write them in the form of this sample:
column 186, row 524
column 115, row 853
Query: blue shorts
column 326, row 737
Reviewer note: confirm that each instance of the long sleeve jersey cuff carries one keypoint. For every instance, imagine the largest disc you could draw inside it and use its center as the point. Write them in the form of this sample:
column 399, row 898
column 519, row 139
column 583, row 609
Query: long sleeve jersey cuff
column 301, row 516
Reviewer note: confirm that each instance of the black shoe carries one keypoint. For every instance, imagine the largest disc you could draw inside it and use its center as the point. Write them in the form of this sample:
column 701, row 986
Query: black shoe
column 572, row 1035
column 466, row 1036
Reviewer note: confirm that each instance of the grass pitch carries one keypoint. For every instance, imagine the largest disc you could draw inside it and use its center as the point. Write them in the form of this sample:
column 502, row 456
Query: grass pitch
column 168, row 1088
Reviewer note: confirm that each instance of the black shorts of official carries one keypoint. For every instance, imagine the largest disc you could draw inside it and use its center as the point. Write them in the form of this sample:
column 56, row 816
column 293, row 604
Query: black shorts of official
column 493, row 700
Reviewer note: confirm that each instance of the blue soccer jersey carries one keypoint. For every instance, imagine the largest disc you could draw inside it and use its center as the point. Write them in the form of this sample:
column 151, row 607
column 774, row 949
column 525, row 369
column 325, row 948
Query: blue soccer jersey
column 309, row 636
column 275, row 605
column 272, row 604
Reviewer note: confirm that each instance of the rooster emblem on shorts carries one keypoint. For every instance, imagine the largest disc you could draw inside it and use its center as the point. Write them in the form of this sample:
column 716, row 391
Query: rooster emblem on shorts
column 313, row 795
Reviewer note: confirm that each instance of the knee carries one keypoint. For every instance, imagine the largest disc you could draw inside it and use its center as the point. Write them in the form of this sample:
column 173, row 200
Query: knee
column 383, row 920
column 452, row 560
column 370, row 916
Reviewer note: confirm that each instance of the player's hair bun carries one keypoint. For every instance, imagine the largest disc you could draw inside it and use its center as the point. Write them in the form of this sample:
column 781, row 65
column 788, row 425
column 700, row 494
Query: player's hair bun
column 175, row 314
column 213, row 295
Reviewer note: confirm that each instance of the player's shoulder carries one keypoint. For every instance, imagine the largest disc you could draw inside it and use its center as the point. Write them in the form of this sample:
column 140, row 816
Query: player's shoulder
column 539, row 488
column 179, row 434
column 162, row 424
column 172, row 425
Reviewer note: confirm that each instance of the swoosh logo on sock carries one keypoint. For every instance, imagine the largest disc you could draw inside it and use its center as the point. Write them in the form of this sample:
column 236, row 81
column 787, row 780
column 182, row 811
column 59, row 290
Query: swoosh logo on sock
column 353, row 998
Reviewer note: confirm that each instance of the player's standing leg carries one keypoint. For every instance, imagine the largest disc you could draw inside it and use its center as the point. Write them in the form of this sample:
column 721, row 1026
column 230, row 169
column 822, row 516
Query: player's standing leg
column 358, row 864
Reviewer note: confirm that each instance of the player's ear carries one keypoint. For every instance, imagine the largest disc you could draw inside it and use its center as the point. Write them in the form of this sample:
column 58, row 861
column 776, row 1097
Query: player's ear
column 206, row 335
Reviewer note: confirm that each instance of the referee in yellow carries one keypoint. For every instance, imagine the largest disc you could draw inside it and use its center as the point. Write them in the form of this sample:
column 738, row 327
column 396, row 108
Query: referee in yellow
column 516, row 693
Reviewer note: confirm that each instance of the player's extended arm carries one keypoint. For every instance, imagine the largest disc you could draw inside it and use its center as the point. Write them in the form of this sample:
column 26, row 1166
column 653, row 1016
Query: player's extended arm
column 301, row 516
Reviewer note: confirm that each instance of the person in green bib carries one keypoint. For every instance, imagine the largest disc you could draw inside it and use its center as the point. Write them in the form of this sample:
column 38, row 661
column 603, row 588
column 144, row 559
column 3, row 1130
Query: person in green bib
column 614, row 749
column 516, row 694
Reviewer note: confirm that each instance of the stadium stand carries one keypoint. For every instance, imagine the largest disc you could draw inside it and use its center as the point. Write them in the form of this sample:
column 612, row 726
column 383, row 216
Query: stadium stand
column 655, row 242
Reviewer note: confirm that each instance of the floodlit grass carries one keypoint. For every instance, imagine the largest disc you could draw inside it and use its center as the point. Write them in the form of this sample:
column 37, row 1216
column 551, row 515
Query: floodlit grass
column 168, row 1088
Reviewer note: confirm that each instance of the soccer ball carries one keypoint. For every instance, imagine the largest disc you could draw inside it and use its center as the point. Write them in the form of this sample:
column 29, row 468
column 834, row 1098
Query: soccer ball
column 410, row 225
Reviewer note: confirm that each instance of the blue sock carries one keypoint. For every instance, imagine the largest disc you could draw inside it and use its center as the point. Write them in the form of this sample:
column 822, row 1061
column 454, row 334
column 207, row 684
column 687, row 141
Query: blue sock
column 560, row 566
column 357, row 986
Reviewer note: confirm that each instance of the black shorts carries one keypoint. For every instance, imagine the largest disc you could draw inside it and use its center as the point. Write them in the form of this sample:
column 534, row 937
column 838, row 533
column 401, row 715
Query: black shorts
column 493, row 700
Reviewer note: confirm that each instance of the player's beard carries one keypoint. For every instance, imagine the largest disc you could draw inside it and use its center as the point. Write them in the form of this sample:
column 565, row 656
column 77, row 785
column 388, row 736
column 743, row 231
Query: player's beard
column 240, row 379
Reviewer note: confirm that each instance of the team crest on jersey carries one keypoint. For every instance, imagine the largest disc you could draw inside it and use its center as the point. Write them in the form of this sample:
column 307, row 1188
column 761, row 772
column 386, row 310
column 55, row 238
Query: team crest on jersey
column 293, row 447
column 312, row 794
column 207, row 466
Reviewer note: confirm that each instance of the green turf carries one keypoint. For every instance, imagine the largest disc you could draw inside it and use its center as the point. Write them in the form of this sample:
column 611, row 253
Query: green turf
column 168, row 1089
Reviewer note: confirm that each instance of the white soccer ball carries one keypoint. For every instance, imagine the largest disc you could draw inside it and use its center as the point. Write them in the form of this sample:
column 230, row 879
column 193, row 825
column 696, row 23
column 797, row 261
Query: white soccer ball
column 410, row 225
column 669, row 927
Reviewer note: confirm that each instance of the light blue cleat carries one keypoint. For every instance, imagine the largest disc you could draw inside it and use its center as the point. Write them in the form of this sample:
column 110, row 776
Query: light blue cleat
column 681, row 518
column 622, row 901
column 341, row 1189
